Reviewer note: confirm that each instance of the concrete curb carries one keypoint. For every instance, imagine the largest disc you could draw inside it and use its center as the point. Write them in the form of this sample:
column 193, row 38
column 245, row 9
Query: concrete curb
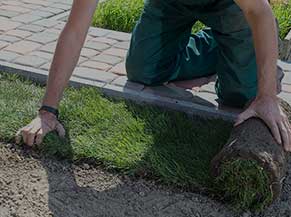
column 40, row 76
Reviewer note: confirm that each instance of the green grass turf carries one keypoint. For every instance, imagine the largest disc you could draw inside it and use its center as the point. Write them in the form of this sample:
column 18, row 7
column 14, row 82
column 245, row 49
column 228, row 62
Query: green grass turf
column 122, row 15
column 132, row 139
column 123, row 136
column 235, row 176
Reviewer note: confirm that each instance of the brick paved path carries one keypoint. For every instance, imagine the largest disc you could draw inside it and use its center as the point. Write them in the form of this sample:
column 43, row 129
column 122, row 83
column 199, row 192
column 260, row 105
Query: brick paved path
column 29, row 30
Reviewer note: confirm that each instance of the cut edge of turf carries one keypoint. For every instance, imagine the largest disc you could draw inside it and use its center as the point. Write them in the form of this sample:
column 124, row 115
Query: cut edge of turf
column 238, row 174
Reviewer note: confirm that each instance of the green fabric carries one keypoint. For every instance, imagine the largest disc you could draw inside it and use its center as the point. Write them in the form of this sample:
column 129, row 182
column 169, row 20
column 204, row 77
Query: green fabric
column 163, row 48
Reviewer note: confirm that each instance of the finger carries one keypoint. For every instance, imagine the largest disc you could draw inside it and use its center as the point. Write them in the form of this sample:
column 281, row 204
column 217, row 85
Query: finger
column 60, row 130
column 275, row 131
column 39, row 137
column 284, row 135
column 31, row 136
column 244, row 116
column 18, row 136
column 25, row 132
column 288, row 128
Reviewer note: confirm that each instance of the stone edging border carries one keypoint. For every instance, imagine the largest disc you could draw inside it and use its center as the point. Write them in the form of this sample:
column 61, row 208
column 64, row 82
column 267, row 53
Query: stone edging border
column 110, row 90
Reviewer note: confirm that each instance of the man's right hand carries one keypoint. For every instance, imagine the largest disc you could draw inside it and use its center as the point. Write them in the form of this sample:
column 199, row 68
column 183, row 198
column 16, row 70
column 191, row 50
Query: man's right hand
column 34, row 132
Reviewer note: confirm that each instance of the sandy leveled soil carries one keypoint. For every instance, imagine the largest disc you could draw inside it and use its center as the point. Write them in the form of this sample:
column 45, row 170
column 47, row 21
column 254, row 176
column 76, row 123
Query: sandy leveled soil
column 32, row 186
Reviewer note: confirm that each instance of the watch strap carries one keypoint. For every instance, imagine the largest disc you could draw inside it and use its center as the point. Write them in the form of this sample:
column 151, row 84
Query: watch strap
column 50, row 110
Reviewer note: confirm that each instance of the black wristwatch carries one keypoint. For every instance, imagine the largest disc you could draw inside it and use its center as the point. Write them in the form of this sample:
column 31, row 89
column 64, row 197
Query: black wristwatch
column 50, row 110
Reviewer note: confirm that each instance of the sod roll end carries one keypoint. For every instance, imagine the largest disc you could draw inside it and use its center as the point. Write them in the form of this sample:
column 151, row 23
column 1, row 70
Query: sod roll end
column 251, row 167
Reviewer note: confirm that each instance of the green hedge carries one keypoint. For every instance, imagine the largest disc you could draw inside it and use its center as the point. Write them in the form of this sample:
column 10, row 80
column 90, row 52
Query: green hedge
column 122, row 15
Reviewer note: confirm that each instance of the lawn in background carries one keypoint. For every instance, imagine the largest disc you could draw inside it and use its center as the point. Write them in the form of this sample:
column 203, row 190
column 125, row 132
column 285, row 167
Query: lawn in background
column 122, row 15
column 171, row 146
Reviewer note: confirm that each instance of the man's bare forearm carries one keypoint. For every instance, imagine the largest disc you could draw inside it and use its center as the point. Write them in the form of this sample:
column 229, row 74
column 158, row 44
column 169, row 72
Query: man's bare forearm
column 262, row 22
column 65, row 59
column 264, row 30
column 68, row 50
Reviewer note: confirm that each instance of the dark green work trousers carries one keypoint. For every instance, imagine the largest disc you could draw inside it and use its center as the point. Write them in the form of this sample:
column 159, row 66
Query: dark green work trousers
column 163, row 49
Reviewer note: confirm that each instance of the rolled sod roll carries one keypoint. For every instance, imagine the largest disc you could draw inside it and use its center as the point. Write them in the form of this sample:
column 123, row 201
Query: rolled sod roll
column 250, row 169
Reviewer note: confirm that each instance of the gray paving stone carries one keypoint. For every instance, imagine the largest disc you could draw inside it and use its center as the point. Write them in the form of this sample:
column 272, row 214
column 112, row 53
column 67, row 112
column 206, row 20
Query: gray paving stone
column 44, row 55
column 46, row 23
column 287, row 78
column 46, row 66
column 37, row 2
column 31, row 28
column 112, row 60
column 9, row 38
column 119, row 36
column 52, row 10
column 104, row 40
column 53, row 31
column 23, row 47
column 98, row 32
column 119, row 69
column 15, row 3
column 32, row 61
column 60, row 26
column 93, row 74
column 284, row 65
column 19, row 9
column 43, row 37
column 8, row 14
column 61, row 6
column 87, row 52
column 43, row 14
column 32, row 6
column 6, row 24
column 96, row 45
column 3, row 44
column 96, row 65
column 50, row 48
column 8, row 56
column 206, row 98
column 26, row 18
column 116, row 52
column 122, row 81
column 122, row 45
column 285, row 96
column 209, row 87
column 19, row 33
column 81, row 60
column 66, row 1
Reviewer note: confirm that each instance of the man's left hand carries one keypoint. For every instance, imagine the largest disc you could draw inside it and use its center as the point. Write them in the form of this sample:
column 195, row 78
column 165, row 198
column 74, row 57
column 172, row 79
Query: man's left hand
column 268, row 109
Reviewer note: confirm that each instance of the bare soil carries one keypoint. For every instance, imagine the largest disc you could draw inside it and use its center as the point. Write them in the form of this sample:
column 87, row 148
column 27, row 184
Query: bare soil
column 34, row 186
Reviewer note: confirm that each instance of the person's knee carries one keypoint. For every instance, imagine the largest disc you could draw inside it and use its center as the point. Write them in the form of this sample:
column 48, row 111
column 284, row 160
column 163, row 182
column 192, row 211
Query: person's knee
column 138, row 71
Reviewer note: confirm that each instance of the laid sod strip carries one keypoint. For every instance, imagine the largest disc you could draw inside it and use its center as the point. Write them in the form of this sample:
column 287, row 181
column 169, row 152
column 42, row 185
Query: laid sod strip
column 235, row 176
column 122, row 15
column 134, row 139
column 130, row 138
